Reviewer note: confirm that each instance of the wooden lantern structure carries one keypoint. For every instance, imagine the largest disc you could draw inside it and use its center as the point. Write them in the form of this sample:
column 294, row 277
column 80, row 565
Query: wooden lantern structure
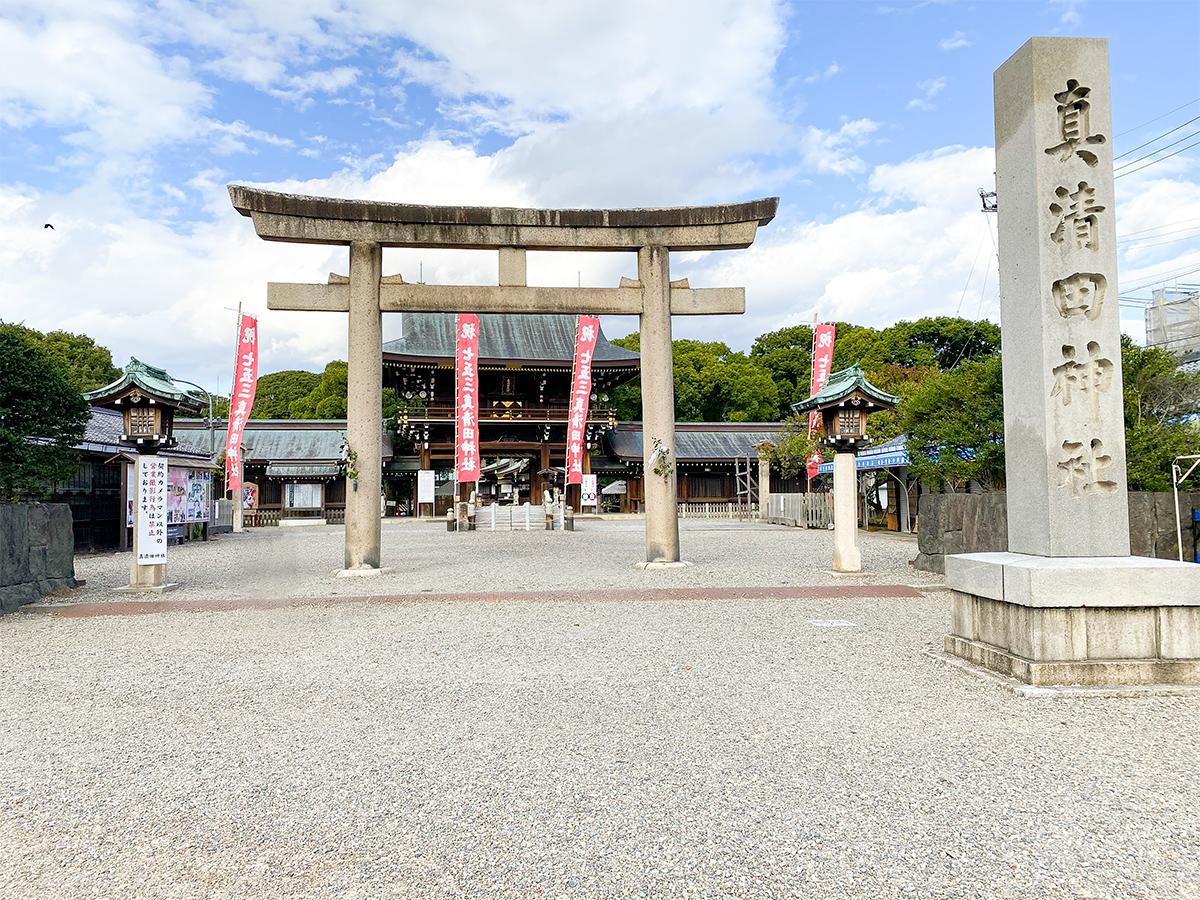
column 844, row 404
column 147, row 399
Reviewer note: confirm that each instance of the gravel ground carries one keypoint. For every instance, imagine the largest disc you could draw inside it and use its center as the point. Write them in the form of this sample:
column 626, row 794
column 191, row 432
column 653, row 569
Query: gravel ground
column 424, row 557
column 572, row 749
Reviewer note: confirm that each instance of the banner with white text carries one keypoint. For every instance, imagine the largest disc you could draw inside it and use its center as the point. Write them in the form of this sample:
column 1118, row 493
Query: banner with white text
column 241, row 400
column 466, row 399
column 587, row 332
column 822, row 362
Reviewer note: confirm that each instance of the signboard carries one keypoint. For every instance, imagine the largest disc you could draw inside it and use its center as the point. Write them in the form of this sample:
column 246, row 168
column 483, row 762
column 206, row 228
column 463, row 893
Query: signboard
column 151, row 510
column 241, row 401
column 425, row 485
column 187, row 495
column 822, row 362
column 587, row 332
column 466, row 399
column 249, row 495
column 589, row 492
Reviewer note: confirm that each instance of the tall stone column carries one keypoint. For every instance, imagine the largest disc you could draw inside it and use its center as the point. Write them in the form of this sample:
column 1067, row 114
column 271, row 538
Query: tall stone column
column 846, row 555
column 1066, row 605
column 1064, row 426
column 364, row 420
column 658, row 407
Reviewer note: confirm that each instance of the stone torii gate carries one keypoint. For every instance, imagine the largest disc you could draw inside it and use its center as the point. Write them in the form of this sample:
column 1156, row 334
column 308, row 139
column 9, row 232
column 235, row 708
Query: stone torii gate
column 367, row 227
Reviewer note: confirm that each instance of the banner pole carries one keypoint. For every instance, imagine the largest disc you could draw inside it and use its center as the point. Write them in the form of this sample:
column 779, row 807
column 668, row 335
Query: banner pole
column 237, row 501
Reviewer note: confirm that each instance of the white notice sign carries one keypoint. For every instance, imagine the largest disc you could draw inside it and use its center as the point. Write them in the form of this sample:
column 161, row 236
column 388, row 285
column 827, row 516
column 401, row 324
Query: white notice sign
column 425, row 486
column 151, row 510
column 589, row 491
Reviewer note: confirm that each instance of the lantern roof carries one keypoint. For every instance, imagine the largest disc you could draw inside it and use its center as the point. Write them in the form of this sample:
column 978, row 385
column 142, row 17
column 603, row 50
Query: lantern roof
column 842, row 385
column 151, row 381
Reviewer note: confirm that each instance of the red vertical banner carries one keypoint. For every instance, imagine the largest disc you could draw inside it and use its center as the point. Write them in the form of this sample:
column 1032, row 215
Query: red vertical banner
column 466, row 398
column 822, row 362
column 241, row 401
column 587, row 332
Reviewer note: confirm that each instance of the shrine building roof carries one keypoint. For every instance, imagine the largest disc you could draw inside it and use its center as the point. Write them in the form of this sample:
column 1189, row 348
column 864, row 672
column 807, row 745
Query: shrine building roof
column 504, row 338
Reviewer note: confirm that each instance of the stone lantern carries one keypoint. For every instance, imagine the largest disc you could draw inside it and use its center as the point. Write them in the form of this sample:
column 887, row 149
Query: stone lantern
column 844, row 404
column 147, row 399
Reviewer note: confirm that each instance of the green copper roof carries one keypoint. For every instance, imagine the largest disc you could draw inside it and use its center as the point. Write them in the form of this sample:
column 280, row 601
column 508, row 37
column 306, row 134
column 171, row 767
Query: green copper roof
column 151, row 380
column 842, row 384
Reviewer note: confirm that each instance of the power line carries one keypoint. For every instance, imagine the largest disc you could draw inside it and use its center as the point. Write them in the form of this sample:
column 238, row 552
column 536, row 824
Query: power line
column 1140, row 246
column 1130, row 234
column 1155, row 140
column 970, row 275
column 1160, row 159
column 1160, row 277
column 1186, row 137
column 1158, row 118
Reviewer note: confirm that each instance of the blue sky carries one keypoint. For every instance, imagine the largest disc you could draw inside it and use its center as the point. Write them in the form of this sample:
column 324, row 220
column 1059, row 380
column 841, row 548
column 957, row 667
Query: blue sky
column 122, row 122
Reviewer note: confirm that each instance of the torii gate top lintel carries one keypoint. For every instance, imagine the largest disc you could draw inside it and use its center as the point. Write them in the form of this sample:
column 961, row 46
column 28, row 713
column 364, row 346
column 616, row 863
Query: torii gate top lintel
column 327, row 220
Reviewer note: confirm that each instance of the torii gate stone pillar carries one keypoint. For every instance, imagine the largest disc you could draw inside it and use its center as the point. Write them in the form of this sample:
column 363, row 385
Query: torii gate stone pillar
column 1068, row 605
column 367, row 227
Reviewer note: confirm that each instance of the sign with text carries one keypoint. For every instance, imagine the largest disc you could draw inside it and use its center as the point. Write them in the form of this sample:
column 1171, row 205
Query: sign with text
column 589, row 492
column 822, row 362
column 466, row 394
column 425, row 486
column 241, row 400
column 152, row 489
column 587, row 332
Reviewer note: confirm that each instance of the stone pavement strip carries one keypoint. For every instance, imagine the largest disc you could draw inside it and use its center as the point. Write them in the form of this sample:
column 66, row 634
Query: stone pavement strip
column 622, row 741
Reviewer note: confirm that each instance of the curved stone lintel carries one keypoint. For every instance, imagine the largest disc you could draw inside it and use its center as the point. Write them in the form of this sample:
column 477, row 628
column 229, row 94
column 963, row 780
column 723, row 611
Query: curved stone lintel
column 302, row 219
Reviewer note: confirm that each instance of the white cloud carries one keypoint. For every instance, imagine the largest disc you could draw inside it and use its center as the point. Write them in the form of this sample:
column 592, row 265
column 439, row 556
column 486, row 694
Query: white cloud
column 95, row 80
column 319, row 81
column 929, row 89
column 829, row 71
column 833, row 151
column 1070, row 16
column 956, row 41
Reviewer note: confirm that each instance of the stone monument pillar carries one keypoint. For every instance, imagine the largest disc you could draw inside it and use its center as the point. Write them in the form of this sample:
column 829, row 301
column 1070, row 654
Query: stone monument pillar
column 1067, row 604
column 846, row 555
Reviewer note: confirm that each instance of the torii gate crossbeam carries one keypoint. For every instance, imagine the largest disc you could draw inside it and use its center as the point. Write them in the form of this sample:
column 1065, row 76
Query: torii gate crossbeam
column 367, row 227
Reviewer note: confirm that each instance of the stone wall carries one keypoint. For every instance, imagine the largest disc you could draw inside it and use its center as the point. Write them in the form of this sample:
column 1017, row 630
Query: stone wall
column 37, row 552
column 978, row 523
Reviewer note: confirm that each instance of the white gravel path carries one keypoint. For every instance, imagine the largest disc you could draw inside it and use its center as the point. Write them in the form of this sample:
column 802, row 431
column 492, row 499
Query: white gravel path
column 424, row 557
column 571, row 749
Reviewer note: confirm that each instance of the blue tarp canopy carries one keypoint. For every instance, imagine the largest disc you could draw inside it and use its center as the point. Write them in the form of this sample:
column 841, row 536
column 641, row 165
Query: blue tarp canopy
column 892, row 453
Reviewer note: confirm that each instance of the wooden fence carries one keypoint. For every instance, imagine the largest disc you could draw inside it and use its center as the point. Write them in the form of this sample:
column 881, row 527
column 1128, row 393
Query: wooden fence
column 802, row 510
column 717, row 511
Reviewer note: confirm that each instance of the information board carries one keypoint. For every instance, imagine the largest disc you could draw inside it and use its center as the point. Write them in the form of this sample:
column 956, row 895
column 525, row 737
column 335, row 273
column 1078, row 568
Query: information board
column 425, row 486
column 589, row 492
column 152, row 510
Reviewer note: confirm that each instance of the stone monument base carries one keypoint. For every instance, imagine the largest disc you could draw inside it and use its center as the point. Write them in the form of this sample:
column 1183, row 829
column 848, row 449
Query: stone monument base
column 1101, row 621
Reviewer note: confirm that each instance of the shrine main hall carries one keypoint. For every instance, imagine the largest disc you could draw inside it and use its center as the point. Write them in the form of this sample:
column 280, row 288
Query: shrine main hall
column 524, row 383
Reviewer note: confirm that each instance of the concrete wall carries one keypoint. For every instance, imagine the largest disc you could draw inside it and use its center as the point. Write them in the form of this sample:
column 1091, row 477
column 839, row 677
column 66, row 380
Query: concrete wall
column 37, row 552
column 978, row 523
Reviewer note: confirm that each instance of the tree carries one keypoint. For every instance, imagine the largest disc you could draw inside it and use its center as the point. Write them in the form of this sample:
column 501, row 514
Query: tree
column 82, row 361
column 277, row 391
column 955, row 426
column 1160, row 405
column 327, row 400
column 794, row 447
column 786, row 355
column 42, row 416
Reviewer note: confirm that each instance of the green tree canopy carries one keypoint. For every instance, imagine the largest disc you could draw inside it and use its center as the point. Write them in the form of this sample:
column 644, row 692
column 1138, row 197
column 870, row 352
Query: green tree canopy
column 327, row 400
column 277, row 391
column 42, row 416
column 955, row 425
column 83, row 362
